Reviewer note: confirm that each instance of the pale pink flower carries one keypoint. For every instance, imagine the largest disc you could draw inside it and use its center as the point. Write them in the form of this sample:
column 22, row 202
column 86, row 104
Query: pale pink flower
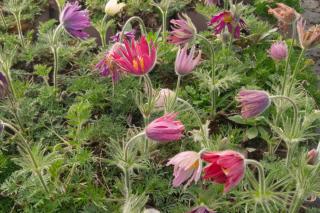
column 163, row 97
column 186, row 62
column 183, row 30
column 187, row 167
column 312, row 156
column 278, row 51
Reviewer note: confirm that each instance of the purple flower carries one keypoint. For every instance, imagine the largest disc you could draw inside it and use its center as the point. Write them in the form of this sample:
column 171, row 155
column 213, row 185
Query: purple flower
column 253, row 102
column 3, row 85
column 185, row 63
column 75, row 20
column 226, row 19
column 183, row 30
column 127, row 35
column 108, row 67
column 278, row 51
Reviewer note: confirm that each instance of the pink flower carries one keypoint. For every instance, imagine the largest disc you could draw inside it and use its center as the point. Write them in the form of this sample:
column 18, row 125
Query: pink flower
column 201, row 209
column 186, row 63
column 253, row 102
column 163, row 97
column 75, row 20
column 107, row 65
column 187, row 166
column 278, row 51
column 212, row 2
column 227, row 167
column 226, row 19
column 312, row 156
column 165, row 129
column 183, row 30
column 137, row 58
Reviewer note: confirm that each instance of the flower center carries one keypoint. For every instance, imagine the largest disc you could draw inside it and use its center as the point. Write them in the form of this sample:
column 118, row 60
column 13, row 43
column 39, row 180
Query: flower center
column 195, row 165
column 226, row 171
column 227, row 18
column 138, row 61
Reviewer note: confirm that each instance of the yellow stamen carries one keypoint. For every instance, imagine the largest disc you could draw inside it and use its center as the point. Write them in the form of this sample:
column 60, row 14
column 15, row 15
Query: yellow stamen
column 136, row 62
column 227, row 18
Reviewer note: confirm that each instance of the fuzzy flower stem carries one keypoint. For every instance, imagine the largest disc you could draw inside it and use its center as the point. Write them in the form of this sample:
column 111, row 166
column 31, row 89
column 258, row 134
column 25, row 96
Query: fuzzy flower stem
column 17, row 18
column 103, row 31
column 262, row 182
column 146, row 117
column 286, row 70
column 125, row 26
column 59, row 6
column 55, row 52
column 126, row 169
column 3, row 19
column 164, row 14
column 296, row 202
column 206, row 145
column 213, row 74
column 295, row 71
column 26, row 147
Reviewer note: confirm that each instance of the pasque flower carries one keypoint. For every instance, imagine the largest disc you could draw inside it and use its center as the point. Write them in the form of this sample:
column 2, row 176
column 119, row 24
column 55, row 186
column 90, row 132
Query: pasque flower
column 278, row 51
column 312, row 156
column 309, row 38
column 183, row 30
column 163, row 96
column 253, row 102
column 201, row 209
column 136, row 57
column 186, row 62
column 75, row 20
column 165, row 129
column 127, row 35
column 107, row 65
column 226, row 167
column 212, row 2
column 187, row 166
column 283, row 13
column 227, row 19
column 3, row 85
column 113, row 7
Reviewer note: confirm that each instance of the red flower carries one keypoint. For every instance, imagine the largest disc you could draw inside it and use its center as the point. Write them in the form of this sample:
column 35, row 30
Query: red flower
column 225, row 167
column 226, row 19
column 136, row 58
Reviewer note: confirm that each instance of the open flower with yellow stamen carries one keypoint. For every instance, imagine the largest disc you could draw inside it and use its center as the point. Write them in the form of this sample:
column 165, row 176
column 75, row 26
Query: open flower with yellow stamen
column 187, row 166
column 136, row 57
column 227, row 19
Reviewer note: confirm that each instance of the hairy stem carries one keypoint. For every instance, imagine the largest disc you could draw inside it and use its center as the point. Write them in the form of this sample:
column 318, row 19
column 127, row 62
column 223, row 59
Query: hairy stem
column 213, row 75
column 125, row 26
column 262, row 182
column 293, row 76
column 19, row 27
column 3, row 19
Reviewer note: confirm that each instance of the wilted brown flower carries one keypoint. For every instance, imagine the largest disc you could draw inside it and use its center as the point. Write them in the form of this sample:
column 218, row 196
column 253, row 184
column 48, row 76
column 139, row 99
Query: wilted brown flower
column 309, row 38
column 284, row 14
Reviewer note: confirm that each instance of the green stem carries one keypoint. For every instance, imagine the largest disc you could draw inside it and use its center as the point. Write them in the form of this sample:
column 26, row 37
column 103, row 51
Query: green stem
column 103, row 31
column 262, row 182
column 127, row 184
column 146, row 140
column 206, row 145
column 19, row 27
column 164, row 25
column 286, row 70
column 296, row 203
column 295, row 71
column 213, row 75
column 26, row 147
column 3, row 19
column 134, row 18
column 55, row 52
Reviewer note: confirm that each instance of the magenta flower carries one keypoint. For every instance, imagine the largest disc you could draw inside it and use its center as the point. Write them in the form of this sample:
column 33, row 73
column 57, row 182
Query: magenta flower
column 226, row 19
column 165, row 129
column 127, row 35
column 137, row 58
column 107, row 65
column 201, row 209
column 187, row 166
column 185, row 63
column 253, row 102
column 278, row 51
column 312, row 156
column 227, row 167
column 75, row 20
column 183, row 30
column 3, row 85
